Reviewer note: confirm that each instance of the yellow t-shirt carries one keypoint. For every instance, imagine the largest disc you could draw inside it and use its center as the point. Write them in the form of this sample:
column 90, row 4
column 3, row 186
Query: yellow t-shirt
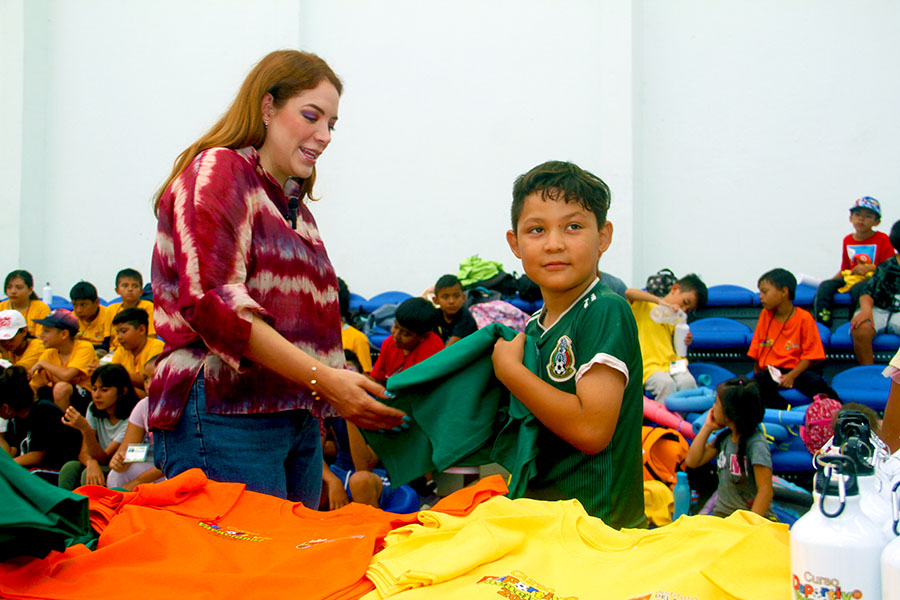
column 115, row 308
column 29, row 358
column 36, row 310
column 82, row 357
column 531, row 549
column 134, row 363
column 356, row 341
column 95, row 331
column 655, row 339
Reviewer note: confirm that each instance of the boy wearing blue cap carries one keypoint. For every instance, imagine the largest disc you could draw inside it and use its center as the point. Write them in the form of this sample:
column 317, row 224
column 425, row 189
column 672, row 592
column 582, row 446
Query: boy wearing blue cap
column 862, row 251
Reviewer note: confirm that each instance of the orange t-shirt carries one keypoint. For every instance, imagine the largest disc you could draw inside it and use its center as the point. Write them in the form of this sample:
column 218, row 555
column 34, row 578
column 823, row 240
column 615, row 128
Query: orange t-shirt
column 197, row 538
column 784, row 345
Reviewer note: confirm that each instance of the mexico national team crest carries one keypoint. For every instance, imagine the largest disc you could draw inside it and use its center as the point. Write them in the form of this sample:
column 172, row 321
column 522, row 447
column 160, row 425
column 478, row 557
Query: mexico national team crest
column 561, row 366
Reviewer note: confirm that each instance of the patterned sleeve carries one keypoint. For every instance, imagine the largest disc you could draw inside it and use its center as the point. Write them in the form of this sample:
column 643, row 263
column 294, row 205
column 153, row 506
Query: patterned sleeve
column 211, row 234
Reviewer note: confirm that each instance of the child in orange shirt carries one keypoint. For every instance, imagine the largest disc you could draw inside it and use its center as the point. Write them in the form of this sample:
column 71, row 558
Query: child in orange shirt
column 786, row 344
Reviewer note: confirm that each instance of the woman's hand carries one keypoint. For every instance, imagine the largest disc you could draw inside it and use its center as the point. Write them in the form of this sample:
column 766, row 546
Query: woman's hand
column 75, row 420
column 93, row 474
column 351, row 395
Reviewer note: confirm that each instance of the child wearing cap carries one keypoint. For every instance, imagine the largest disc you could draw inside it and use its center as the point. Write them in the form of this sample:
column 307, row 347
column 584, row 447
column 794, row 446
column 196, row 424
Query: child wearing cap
column 879, row 304
column 862, row 251
column 17, row 345
column 66, row 363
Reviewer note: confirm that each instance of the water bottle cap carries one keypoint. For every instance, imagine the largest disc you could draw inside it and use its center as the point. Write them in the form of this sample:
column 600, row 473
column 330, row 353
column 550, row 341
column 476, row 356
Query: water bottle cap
column 682, row 476
column 834, row 472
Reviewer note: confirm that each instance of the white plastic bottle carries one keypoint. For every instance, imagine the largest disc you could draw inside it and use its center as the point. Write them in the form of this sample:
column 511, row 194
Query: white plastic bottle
column 47, row 294
column 835, row 548
column 890, row 557
column 681, row 331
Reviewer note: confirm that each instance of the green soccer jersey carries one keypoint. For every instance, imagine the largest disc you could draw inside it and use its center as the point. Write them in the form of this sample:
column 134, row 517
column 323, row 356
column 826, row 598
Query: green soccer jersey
column 598, row 328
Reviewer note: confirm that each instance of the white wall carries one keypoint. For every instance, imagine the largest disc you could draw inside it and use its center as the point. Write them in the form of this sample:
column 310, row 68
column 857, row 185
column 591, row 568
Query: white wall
column 444, row 105
column 733, row 134
column 760, row 122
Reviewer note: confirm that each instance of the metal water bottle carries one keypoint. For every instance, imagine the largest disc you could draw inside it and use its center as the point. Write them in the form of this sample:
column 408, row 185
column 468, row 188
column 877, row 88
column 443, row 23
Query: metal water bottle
column 835, row 547
column 853, row 436
column 890, row 557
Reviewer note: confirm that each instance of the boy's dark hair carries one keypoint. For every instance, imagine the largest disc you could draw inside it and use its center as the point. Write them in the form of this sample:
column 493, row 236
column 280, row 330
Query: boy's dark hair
column 351, row 358
column 344, row 300
column 446, row 281
column 743, row 405
column 83, row 290
column 781, row 278
column 416, row 314
column 871, row 415
column 129, row 274
column 14, row 388
column 895, row 236
column 115, row 375
column 26, row 278
column 134, row 317
column 558, row 180
column 692, row 283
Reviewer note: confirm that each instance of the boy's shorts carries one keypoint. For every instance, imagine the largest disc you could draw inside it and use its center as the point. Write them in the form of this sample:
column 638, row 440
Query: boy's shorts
column 344, row 476
column 885, row 321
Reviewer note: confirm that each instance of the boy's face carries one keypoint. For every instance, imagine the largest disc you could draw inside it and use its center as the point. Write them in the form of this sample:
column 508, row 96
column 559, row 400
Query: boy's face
column 130, row 289
column 686, row 299
column 130, row 337
column 451, row 299
column 559, row 243
column 15, row 341
column 85, row 309
column 771, row 296
column 404, row 338
column 863, row 220
column 54, row 337
column 147, row 373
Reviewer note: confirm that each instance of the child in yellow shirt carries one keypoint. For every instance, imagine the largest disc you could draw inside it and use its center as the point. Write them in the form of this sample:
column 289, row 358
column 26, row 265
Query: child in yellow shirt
column 135, row 346
column 130, row 286
column 66, row 364
column 19, row 286
column 93, row 324
column 17, row 345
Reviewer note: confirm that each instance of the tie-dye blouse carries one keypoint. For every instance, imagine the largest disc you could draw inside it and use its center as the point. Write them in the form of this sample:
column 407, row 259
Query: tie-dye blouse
column 225, row 253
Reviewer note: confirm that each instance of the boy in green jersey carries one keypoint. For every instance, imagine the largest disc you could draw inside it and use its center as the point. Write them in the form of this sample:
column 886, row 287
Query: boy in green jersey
column 587, row 395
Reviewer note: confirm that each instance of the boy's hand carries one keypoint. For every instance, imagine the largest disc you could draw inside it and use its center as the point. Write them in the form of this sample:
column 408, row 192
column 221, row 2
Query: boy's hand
column 860, row 318
column 73, row 419
column 509, row 353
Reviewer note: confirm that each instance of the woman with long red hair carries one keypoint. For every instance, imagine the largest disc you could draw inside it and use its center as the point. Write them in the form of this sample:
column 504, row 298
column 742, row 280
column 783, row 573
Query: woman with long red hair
column 245, row 295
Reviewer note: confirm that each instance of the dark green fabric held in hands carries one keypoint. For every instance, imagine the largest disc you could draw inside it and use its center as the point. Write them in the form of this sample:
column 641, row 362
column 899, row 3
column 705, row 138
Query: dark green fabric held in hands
column 461, row 415
column 36, row 517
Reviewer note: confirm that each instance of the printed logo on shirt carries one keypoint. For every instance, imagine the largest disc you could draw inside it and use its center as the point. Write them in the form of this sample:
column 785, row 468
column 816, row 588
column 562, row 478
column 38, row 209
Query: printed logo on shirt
column 731, row 461
column 231, row 533
column 867, row 250
column 318, row 541
column 521, row 586
column 561, row 366
column 790, row 345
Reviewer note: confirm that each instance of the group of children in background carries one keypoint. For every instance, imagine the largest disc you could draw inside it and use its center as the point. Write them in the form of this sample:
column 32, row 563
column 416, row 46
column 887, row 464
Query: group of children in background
column 600, row 350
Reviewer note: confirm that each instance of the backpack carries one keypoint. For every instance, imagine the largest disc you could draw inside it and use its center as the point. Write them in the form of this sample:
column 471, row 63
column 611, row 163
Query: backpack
column 818, row 425
column 664, row 451
column 499, row 311
column 661, row 282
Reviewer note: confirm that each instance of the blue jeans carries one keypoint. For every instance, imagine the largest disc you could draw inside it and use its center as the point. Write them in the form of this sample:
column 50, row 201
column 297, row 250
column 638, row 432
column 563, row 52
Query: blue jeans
column 279, row 454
